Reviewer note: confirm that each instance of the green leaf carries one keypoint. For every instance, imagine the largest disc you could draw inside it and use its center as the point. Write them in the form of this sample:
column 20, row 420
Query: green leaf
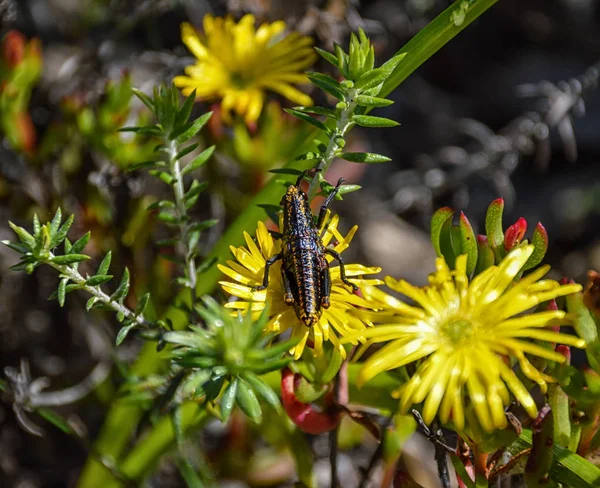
column 104, row 264
column 583, row 323
column 461, row 471
column 247, row 401
column 377, row 76
column 62, row 232
column 55, row 224
column 149, row 130
column 161, row 204
column 441, row 221
column 37, row 228
column 142, row 304
column 228, row 400
column 123, row 333
column 493, row 227
column 206, row 265
column 90, row 303
column 540, row 243
column 70, row 259
column 327, row 84
column 364, row 157
column 468, row 242
column 369, row 59
column 186, row 109
column 188, row 473
column 15, row 246
column 485, row 255
column 314, row 109
column 62, row 288
column 371, row 121
column 559, row 402
column 146, row 100
column 168, row 218
column 333, row 366
column 80, row 243
column 367, row 101
column 189, row 132
column 311, row 120
column 354, row 58
column 98, row 280
column 308, row 156
column 199, row 160
column 145, row 165
column 25, row 237
column 200, row 226
column 186, row 150
column 195, row 189
column 167, row 242
column 56, row 420
column 163, row 176
column 123, row 288
column 345, row 189
column 327, row 56
column 539, row 462
column 265, row 391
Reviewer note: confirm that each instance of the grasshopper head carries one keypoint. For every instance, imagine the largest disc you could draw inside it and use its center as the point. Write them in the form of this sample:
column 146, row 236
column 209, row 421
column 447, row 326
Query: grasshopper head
column 309, row 319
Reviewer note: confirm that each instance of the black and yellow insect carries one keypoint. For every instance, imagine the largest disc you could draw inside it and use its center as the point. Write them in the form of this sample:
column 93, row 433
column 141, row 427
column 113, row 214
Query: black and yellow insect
column 305, row 269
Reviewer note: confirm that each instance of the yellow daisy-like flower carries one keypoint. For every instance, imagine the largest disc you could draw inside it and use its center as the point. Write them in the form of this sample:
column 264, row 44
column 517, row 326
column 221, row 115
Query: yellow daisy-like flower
column 237, row 63
column 347, row 314
column 463, row 333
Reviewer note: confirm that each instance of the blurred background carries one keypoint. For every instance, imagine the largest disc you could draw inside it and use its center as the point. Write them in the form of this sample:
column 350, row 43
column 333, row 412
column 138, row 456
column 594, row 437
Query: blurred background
column 510, row 108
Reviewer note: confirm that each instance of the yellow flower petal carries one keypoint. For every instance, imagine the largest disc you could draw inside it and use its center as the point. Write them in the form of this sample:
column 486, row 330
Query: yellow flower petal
column 459, row 330
column 237, row 63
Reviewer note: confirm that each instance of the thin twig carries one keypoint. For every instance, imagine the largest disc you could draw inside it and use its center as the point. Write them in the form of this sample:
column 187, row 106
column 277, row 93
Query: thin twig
column 441, row 458
column 333, row 444
column 377, row 454
column 436, row 437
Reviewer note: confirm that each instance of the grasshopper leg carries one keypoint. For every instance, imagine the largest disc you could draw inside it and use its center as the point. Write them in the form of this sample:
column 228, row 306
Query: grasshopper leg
column 337, row 256
column 325, row 287
column 287, row 297
column 327, row 202
column 268, row 265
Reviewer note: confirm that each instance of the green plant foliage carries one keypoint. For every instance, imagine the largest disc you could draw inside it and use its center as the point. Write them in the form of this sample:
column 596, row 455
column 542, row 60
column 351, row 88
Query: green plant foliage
column 228, row 355
column 40, row 247
column 357, row 92
column 175, row 129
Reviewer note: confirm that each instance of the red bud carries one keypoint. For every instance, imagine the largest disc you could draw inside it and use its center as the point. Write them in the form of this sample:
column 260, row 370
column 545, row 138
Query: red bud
column 304, row 415
column 565, row 351
column 515, row 233
column 553, row 306
column 13, row 48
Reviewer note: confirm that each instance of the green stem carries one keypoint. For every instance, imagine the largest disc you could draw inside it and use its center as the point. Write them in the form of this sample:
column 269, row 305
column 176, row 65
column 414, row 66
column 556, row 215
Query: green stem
column 184, row 226
column 96, row 291
column 142, row 459
column 122, row 420
column 342, row 127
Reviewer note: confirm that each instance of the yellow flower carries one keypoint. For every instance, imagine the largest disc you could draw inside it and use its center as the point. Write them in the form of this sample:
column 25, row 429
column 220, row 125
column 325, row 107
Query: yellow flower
column 463, row 332
column 347, row 314
column 237, row 63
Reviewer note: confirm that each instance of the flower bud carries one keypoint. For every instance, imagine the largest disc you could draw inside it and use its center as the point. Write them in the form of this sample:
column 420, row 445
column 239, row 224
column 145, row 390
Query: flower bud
column 515, row 233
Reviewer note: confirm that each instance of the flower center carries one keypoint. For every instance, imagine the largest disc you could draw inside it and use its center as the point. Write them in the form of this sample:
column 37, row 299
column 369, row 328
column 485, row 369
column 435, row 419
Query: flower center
column 457, row 330
column 239, row 80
